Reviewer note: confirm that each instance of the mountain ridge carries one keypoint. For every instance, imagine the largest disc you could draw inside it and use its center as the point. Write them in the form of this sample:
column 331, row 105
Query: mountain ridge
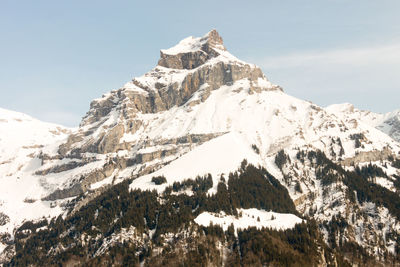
column 386, row 122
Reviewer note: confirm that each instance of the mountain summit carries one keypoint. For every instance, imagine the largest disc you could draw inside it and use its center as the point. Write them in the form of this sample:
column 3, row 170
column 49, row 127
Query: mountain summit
column 186, row 75
column 192, row 52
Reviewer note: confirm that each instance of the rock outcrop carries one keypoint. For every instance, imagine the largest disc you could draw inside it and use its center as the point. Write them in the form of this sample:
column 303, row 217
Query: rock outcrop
column 73, row 191
column 196, row 52
column 368, row 156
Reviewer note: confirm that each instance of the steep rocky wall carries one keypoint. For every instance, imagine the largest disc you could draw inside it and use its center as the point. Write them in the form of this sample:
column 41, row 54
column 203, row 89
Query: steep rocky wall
column 127, row 104
column 367, row 156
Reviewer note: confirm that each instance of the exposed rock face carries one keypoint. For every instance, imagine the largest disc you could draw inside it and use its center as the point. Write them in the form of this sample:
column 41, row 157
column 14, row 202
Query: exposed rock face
column 209, row 46
column 368, row 156
column 73, row 191
column 194, row 65
column 61, row 168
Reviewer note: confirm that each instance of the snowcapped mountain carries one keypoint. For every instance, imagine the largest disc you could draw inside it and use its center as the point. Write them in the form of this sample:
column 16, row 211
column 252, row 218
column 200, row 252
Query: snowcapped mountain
column 199, row 113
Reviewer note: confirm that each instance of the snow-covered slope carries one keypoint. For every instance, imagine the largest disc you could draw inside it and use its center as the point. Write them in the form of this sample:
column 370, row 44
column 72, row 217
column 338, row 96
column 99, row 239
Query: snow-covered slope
column 20, row 132
column 216, row 157
column 249, row 218
column 270, row 120
column 388, row 123
column 22, row 138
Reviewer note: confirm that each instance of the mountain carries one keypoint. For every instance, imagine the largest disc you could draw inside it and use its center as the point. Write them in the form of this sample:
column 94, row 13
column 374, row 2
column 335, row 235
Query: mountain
column 206, row 138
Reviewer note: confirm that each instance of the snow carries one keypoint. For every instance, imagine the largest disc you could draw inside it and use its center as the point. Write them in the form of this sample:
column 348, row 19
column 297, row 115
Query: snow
column 20, row 132
column 22, row 138
column 162, row 75
column 2, row 247
column 193, row 44
column 249, row 218
column 226, row 109
column 187, row 45
column 132, row 87
column 272, row 120
column 383, row 122
column 340, row 108
column 220, row 155
column 264, row 83
column 228, row 58
column 384, row 182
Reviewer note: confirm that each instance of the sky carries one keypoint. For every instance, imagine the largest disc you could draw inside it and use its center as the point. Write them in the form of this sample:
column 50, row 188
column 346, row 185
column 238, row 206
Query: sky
column 57, row 56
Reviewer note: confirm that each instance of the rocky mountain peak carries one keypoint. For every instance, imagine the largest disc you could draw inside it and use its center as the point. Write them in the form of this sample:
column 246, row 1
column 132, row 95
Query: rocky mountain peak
column 186, row 76
column 215, row 40
column 192, row 52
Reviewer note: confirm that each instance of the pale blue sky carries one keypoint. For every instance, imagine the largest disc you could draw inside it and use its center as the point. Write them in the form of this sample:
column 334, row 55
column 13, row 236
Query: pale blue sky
column 56, row 56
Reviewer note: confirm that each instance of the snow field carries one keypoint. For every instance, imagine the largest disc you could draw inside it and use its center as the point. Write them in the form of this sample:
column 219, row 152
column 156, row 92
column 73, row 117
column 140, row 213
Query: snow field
column 249, row 218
